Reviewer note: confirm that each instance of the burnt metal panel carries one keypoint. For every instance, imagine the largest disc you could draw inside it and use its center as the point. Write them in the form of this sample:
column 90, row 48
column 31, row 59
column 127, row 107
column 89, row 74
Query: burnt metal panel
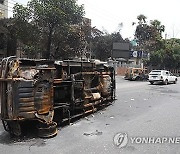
column 23, row 102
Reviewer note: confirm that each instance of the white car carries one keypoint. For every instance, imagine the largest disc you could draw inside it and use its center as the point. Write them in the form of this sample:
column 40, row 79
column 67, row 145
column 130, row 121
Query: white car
column 162, row 76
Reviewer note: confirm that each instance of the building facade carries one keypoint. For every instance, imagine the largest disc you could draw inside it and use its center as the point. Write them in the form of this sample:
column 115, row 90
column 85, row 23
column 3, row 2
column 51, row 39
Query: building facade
column 3, row 9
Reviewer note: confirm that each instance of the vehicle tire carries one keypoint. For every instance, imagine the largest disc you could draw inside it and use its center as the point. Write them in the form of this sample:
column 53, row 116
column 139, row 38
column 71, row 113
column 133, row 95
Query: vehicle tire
column 151, row 82
column 166, row 82
column 13, row 127
column 175, row 81
column 137, row 78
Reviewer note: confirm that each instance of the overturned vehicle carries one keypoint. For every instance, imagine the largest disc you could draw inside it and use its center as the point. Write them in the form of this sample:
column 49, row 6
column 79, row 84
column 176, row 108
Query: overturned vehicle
column 51, row 92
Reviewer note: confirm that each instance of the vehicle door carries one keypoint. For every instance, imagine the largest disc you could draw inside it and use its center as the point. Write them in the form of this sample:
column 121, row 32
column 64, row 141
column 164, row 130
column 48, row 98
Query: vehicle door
column 172, row 77
column 167, row 73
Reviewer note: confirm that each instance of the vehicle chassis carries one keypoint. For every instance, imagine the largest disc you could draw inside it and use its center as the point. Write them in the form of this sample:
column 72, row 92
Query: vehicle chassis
column 50, row 92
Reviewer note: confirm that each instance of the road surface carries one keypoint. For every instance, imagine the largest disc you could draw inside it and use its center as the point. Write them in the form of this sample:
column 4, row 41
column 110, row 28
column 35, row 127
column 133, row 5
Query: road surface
column 141, row 111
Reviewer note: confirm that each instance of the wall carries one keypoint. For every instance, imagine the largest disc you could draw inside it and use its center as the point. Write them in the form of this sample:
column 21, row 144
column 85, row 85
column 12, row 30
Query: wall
column 121, row 71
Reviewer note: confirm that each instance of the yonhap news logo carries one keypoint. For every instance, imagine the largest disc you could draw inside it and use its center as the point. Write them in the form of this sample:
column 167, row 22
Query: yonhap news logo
column 121, row 140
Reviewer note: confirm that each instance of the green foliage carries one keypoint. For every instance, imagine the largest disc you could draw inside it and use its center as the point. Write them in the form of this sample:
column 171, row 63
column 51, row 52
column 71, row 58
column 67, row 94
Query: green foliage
column 102, row 47
column 8, row 38
column 42, row 24
column 167, row 58
column 149, row 35
column 103, row 44
column 141, row 19
column 163, row 53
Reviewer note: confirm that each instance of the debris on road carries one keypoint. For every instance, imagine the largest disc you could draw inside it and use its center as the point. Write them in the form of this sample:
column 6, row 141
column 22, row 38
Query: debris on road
column 93, row 133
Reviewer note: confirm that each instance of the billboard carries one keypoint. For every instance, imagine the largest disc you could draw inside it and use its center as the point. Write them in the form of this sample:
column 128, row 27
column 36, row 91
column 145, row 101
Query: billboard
column 121, row 50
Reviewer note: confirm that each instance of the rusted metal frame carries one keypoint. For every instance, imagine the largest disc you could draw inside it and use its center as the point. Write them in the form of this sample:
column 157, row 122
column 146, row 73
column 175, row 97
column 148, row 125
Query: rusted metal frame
column 3, row 83
column 96, row 102
column 14, row 121
column 77, row 63
column 91, row 89
column 89, row 111
column 12, row 79
column 47, row 130
column 61, row 104
column 69, row 117
column 69, row 69
column 113, row 81
column 5, row 125
column 16, row 99
column 72, row 94
column 1, row 68
column 111, row 72
column 23, row 97
column 3, row 100
column 81, row 66
column 6, row 65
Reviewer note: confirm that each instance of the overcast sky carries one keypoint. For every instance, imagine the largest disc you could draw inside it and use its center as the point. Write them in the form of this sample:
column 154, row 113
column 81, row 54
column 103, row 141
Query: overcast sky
column 108, row 14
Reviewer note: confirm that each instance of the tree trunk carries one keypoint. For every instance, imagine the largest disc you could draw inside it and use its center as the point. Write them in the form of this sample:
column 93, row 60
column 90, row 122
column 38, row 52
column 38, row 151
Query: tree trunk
column 48, row 50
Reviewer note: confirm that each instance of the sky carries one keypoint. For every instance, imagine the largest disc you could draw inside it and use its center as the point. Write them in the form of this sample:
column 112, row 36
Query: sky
column 109, row 14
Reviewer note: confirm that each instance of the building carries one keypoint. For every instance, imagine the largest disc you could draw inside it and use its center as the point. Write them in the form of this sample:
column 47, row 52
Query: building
column 3, row 9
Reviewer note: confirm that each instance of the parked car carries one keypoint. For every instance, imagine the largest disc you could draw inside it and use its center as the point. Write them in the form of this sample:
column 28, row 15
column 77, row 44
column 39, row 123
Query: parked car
column 136, row 74
column 162, row 76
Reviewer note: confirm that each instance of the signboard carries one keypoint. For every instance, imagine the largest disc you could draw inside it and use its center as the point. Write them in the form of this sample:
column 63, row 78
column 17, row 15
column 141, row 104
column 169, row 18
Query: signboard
column 139, row 54
column 121, row 46
column 121, row 50
column 135, row 54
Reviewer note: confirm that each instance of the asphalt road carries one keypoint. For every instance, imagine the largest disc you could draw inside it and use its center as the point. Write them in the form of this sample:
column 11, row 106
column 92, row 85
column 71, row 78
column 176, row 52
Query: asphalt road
column 141, row 110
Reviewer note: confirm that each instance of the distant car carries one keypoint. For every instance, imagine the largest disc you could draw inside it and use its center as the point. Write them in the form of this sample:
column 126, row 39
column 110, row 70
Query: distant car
column 162, row 76
column 136, row 74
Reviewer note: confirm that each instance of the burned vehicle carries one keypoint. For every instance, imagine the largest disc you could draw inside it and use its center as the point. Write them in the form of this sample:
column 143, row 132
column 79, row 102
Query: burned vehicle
column 26, row 93
column 80, row 87
column 51, row 92
column 136, row 74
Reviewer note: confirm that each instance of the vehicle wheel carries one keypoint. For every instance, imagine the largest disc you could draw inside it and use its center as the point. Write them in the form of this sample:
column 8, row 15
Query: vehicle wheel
column 6, row 125
column 166, row 82
column 137, row 78
column 151, row 82
column 13, row 127
column 175, row 81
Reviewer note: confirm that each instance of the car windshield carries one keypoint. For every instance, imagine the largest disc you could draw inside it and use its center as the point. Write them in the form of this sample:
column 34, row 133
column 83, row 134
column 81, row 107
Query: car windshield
column 155, row 73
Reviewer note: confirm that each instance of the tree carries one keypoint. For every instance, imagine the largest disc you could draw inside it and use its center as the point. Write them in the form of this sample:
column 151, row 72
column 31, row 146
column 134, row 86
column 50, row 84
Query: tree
column 8, row 39
column 149, row 35
column 167, row 57
column 49, row 18
column 103, row 44
column 141, row 19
